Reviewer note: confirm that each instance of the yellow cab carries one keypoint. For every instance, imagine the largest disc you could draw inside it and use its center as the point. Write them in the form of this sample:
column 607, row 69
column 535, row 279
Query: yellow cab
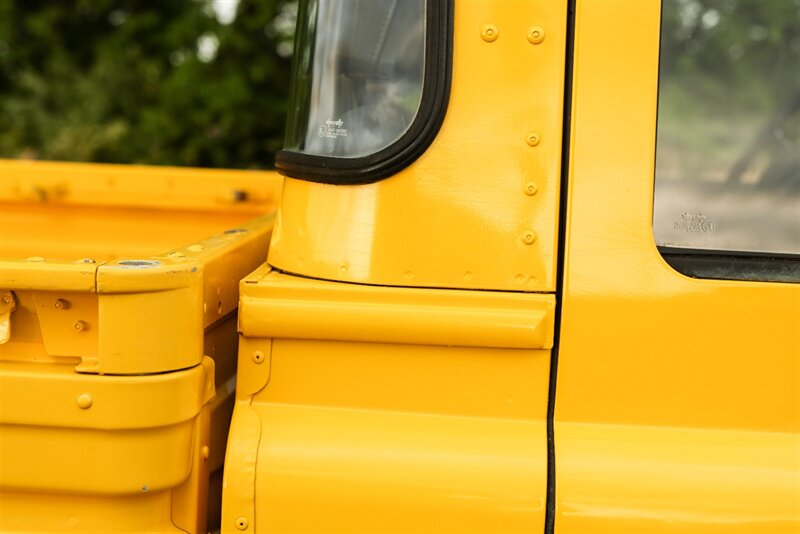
column 535, row 268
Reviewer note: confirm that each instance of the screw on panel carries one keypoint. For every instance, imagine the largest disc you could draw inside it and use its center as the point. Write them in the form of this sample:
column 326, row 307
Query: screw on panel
column 489, row 33
column 61, row 304
column 242, row 523
column 535, row 35
column 85, row 260
column 8, row 298
column 532, row 139
column 205, row 452
column 84, row 401
column 529, row 237
column 531, row 189
column 80, row 326
column 258, row 356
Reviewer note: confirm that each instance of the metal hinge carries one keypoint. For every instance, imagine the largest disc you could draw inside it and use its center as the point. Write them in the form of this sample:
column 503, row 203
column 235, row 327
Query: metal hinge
column 8, row 303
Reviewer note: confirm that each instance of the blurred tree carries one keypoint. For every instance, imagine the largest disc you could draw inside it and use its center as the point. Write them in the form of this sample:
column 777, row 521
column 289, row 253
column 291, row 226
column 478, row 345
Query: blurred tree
column 729, row 91
column 144, row 81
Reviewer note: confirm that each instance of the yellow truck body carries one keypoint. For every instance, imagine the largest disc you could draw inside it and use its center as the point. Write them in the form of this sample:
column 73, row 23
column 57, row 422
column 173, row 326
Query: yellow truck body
column 465, row 318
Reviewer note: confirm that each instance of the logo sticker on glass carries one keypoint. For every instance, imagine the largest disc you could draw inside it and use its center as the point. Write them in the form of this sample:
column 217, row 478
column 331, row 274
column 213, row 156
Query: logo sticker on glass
column 332, row 129
column 695, row 222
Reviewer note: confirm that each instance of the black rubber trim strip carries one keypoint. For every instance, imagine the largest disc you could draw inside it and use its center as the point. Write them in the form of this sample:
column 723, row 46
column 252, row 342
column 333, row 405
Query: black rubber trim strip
column 419, row 136
column 550, row 505
column 734, row 266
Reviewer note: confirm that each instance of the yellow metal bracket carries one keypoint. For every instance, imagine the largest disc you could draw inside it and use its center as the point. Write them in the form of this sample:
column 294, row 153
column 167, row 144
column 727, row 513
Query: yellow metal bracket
column 7, row 305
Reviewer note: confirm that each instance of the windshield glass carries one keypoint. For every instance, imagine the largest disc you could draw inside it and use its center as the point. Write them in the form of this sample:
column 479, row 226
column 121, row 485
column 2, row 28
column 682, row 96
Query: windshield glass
column 358, row 72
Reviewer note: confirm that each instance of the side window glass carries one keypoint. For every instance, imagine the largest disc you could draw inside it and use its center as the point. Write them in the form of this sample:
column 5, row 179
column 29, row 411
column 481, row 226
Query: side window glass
column 728, row 138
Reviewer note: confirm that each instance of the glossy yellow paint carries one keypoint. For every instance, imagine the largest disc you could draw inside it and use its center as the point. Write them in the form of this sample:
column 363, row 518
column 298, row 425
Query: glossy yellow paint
column 462, row 215
column 435, row 428
column 678, row 399
column 111, row 414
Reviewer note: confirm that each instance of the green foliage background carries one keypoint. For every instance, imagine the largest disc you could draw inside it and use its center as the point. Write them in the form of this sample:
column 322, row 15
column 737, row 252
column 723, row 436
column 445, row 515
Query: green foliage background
column 125, row 81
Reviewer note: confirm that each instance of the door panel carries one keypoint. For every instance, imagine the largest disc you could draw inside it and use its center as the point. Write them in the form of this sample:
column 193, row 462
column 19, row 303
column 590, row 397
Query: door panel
column 678, row 399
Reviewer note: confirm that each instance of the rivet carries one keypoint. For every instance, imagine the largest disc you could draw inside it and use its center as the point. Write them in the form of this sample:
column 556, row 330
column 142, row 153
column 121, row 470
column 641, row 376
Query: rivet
column 85, row 260
column 532, row 139
column 195, row 248
column 35, row 259
column 61, row 304
column 80, row 326
column 343, row 268
column 7, row 298
column 177, row 255
column 205, row 451
column 489, row 33
column 529, row 237
column 535, row 35
column 84, row 401
column 531, row 189
column 258, row 356
column 242, row 523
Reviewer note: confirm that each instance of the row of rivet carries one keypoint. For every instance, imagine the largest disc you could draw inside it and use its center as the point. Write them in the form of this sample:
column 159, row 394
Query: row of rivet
column 535, row 35
column 490, row 33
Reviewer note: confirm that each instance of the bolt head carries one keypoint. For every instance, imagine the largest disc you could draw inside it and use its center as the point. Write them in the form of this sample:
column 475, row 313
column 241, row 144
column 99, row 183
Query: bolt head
column 489, row 33
column 84, row 401
column 535, row 35
column 529, row 237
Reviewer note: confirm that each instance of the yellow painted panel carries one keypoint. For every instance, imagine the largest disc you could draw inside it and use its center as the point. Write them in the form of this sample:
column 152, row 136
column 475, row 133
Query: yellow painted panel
column 458, row 381
column 391, row 437
column 339, row 470
column 383, row 437
column 678, row 399
column 282, row 306
column 58, row 512
column 462, row 215
column 39, row 394
column 630, row 479
column 227, row 192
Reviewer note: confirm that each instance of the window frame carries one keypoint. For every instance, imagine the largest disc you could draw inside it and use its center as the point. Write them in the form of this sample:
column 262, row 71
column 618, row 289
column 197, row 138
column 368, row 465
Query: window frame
column 719, row 264
column 408, row 147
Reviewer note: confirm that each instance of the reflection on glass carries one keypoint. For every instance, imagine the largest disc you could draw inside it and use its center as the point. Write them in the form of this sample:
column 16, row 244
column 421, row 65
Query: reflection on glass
column 357, row 75
column 728, row 151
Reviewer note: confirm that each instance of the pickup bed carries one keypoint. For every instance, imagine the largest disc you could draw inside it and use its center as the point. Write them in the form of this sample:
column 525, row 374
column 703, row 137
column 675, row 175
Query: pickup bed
column 118, row 343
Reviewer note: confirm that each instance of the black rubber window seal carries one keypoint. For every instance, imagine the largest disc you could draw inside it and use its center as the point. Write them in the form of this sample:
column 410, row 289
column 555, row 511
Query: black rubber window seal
column 415, row 141
column 724, row 265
